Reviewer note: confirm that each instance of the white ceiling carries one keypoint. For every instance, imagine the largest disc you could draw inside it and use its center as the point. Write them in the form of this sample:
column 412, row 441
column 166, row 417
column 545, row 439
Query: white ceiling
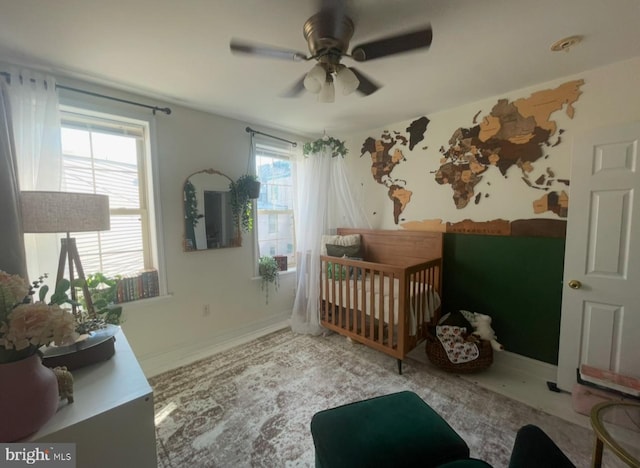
column 179, row 51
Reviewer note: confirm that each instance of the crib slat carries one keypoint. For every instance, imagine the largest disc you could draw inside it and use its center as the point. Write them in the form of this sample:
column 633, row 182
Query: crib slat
column 422, row 278
column 392, row 310
column 334, row 302
column 347, row 311
column 363, row 303
column 323, row 287
column 372, row 301
column 381, row 276
column 414, row 298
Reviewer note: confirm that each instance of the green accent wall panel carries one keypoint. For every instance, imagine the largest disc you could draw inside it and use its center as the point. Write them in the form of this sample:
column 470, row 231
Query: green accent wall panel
column 515, row 280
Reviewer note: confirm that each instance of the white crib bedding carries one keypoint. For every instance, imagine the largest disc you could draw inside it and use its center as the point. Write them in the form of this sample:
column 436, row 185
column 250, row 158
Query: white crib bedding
column 355, row 298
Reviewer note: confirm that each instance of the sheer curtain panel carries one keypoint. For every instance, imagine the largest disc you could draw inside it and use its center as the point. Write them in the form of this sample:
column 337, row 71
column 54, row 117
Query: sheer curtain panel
column 325, row 202
column 35, row 118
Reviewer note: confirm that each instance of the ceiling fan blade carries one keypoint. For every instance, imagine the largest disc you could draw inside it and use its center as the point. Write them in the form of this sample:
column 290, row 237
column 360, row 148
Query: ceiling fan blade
column 366, row 86
column 295, row 90
column 393, row 45
column 242, row 47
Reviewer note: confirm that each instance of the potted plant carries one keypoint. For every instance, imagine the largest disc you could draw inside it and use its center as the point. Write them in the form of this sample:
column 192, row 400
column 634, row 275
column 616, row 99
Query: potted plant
column 250, row 185
column 243, row 190
column 103, row 292
column 270, row 274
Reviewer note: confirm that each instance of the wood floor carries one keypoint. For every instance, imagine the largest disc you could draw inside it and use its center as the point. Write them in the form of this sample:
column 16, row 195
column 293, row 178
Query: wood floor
column 524, row 380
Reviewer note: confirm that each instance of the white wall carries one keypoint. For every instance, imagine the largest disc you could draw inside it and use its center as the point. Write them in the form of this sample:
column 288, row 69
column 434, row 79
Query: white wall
column 610, row 95
column 188, row 141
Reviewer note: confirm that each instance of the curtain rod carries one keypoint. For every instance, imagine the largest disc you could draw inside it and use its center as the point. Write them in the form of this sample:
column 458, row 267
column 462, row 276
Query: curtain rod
column 251, row 130
column 166, row 110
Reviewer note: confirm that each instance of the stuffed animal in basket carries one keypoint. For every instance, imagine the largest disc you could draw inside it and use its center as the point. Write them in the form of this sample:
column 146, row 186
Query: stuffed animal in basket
column 481, row 324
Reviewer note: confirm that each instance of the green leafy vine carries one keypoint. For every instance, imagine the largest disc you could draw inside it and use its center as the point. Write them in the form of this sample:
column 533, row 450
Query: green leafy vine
column 191, row 204
column 334, row 145
column 270, row 274
column 241, row 201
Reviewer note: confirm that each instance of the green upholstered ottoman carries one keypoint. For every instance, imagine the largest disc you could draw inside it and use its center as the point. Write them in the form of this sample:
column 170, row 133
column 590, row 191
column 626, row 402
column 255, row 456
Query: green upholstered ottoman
column 467, row 463
column 397, row 430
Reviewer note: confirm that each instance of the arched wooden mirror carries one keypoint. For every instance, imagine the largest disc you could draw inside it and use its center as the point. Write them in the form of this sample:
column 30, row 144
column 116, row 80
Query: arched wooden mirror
column 208, row 219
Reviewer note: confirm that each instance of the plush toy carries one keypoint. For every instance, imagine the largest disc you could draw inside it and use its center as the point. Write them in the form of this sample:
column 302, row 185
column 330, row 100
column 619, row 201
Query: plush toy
column 482, row 328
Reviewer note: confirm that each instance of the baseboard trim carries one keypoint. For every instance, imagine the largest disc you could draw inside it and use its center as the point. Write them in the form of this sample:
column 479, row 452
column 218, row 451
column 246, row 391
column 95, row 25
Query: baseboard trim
column 178, row 356
column 532, row 367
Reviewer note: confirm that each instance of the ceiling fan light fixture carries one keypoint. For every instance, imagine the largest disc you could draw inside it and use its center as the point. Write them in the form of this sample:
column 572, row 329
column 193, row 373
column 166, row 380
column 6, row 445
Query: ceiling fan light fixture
column 327, row 93
column 347, row 80
column 328, row 34
column 315, row 79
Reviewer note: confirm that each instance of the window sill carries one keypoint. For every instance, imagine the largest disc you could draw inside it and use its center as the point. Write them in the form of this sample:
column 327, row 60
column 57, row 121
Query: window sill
column 145, row 302
column 289, row 272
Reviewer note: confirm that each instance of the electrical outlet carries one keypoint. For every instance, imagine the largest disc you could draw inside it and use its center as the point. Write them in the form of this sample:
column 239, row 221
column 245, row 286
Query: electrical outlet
column 206, row 311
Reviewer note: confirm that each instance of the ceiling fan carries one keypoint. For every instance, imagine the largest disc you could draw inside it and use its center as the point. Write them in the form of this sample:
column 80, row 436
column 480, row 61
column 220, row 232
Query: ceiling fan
column 328, row 33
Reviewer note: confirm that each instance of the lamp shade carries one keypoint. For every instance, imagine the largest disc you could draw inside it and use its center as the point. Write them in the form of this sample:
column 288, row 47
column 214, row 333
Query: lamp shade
column 64, row 212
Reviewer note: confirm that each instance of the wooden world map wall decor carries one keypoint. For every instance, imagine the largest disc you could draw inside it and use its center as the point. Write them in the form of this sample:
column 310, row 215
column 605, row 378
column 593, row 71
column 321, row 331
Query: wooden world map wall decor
column 383, row 161
column 513, row 134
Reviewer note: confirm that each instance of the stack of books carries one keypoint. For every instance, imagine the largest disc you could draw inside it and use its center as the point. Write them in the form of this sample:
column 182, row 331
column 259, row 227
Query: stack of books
column 141, row 285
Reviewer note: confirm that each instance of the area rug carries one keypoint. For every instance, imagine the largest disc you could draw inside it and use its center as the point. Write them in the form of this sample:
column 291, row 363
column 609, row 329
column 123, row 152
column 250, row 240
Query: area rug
column 251, row 406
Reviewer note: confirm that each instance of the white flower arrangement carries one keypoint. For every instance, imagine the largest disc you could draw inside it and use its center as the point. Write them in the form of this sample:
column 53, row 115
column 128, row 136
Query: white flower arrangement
column 25, row 325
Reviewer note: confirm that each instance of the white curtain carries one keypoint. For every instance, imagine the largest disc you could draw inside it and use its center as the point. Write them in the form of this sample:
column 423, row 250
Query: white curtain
column 35, row 117
column 252, row 169
column 12, row 259
column 325, row 202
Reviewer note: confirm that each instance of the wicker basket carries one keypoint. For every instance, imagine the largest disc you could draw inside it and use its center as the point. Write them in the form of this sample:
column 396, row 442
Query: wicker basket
column 438, row 356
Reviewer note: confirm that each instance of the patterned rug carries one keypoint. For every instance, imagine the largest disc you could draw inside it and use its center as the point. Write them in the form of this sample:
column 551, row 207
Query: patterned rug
column 252, row 405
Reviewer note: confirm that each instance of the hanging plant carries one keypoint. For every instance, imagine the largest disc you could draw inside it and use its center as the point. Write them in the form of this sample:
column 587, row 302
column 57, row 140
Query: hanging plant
column 335, row 146
column 242, row 192
column 270, row 273
column 191, row 204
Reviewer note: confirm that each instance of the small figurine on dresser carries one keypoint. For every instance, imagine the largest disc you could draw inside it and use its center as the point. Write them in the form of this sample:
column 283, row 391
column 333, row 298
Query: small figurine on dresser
column 65, row 383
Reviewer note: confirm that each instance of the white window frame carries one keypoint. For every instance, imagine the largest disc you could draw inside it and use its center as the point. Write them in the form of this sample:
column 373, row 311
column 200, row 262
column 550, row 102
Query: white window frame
column 285, row 152
column 152, row 223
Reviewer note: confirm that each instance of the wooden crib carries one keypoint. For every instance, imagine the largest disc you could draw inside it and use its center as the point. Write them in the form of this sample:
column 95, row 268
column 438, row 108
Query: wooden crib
column 387, row 300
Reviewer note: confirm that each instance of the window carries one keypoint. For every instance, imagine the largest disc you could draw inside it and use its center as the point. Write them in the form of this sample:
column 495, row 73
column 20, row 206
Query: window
column 108, row 156
column 276, row 234
column 273, row 223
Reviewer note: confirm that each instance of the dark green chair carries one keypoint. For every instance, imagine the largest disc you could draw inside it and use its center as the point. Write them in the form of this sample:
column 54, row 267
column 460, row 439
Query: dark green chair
column 394, row 430
column 533, row 448
column 400, row 430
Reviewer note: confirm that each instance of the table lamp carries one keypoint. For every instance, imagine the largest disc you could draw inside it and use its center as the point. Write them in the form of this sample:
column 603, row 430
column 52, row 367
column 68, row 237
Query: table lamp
column 50, row 212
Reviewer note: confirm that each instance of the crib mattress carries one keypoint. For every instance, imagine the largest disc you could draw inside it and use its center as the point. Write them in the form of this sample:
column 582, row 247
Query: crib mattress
column 355, row 290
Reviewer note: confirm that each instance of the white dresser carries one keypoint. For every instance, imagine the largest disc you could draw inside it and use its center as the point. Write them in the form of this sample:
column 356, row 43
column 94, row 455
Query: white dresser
column 111, row 420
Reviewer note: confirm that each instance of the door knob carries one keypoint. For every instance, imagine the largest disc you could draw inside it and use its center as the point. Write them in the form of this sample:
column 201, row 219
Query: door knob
column 575, row 284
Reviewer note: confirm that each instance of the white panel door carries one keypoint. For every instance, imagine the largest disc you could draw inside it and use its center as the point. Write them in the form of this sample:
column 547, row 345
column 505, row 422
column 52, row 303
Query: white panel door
column 600, row 325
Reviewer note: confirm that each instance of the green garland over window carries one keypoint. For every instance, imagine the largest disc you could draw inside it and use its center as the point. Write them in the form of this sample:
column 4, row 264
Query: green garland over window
column 334, row 145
